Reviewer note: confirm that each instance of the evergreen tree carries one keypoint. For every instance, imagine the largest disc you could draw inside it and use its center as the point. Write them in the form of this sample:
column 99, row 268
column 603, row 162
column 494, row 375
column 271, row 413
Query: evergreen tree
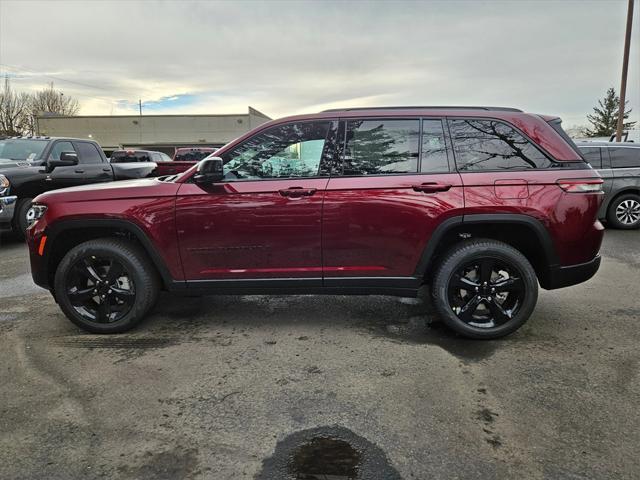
column 604, row 119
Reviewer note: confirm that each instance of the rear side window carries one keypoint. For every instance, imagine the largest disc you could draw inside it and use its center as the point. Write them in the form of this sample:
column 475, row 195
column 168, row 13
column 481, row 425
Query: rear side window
column 191, row 156
column 592, row 155
column 88, row 153
column 434, row 148
column 625, row 157
column 130, row 157
column 491, row 145
column 374, row 147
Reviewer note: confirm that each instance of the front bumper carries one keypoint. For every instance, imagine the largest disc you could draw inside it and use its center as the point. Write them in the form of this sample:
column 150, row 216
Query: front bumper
column 560, row 277
column 7, row 207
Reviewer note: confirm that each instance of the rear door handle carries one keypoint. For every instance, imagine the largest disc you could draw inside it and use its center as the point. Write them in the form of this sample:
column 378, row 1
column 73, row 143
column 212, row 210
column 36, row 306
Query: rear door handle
column 432, row 187
column 79, row 171
column 297, row 192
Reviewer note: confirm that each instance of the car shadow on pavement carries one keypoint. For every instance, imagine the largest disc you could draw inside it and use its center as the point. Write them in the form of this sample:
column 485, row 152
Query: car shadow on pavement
column 401, row 320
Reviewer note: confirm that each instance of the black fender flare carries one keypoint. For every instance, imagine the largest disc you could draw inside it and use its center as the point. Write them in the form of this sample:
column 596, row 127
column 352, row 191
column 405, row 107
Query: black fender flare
column 446, row 226
column 56, row 229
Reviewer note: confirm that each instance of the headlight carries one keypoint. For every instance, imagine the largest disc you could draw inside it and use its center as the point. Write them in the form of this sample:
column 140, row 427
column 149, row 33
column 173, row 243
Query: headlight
column 4, row 185
column 35, row 213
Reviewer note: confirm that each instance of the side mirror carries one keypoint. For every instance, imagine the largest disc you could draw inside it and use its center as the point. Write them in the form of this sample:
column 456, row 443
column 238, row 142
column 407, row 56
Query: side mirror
column 209, row 171
column 67, row 159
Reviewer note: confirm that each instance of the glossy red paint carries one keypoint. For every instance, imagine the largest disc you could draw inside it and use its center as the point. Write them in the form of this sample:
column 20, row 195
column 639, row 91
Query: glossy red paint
column 245, row 228
column 383, row 221
column 570, row 218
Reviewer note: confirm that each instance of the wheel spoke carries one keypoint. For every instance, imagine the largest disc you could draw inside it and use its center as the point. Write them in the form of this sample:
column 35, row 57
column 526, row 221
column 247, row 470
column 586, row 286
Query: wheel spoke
column 461, row 282
column 79, row 296
column 508, row 285
column 104, row 311
column 89, row 271
column 116, row 270
column 123, row 295
column 498, row 313
column 486, row 269
column 466, row 312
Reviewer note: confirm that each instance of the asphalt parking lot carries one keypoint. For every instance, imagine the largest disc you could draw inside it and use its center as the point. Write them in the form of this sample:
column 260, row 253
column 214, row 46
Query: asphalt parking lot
column 270, row 387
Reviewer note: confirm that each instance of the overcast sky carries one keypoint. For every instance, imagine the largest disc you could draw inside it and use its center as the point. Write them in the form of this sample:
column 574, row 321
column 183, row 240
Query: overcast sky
column 283, row 58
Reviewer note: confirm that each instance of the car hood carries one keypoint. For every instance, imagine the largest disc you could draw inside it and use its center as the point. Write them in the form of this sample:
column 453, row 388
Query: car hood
column 6, row 164
column 142, row 188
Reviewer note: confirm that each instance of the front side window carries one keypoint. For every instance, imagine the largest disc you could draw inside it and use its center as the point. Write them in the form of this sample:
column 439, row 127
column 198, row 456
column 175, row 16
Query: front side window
column 625, row 157
column 434, row 148
column 285, row 151
column 60, row 147
column 375, row 147
column 491, row 145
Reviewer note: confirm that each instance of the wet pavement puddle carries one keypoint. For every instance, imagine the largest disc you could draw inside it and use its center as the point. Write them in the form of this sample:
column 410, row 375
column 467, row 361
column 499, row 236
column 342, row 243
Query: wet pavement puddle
column 327, row 453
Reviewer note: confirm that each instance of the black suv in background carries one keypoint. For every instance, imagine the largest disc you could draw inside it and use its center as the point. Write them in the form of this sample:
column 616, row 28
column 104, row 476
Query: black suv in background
column 619, row 166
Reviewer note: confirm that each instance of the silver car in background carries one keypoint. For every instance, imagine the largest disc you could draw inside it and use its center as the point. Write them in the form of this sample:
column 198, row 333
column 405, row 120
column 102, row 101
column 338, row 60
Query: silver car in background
column 619, row 166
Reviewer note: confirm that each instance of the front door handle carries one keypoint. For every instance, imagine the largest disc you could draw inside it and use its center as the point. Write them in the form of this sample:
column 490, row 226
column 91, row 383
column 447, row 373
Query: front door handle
column 106, row 170
column 297, row 192
column 79, row 171
column 432, row 187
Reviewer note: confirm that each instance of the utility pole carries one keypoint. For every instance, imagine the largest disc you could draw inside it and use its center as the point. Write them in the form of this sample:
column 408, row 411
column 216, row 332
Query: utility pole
column 625, row 68
column 140, row 104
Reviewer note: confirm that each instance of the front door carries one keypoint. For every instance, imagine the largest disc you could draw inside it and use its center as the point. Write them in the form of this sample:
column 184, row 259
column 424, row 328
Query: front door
column 263, row 221
column 397, row 183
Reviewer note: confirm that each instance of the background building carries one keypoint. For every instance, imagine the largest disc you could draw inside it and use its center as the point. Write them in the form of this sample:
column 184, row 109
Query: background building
column 152, row 132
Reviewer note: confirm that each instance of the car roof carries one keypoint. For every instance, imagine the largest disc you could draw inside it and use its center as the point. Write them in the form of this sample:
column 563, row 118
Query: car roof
column 41, row 137
column 586, row 143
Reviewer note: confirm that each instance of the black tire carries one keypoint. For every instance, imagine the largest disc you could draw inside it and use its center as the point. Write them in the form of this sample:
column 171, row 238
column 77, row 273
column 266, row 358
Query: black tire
column 468, row 305
column 20, row 222
column 127, row 297
column 624, row 212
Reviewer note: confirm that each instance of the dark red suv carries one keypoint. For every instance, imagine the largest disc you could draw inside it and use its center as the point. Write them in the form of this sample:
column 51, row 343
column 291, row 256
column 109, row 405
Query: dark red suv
column 479, row 203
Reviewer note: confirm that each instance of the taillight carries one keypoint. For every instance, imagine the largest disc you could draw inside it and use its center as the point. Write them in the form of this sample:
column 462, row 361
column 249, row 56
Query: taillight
column 581, row 185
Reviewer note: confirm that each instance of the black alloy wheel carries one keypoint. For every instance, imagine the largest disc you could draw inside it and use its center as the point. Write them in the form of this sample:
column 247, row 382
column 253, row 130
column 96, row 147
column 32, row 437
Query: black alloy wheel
column 486, row 293
column 106, row 285
column 484, row 289
column 100, row 289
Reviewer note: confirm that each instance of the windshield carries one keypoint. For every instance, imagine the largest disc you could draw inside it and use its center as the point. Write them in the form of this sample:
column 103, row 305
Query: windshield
column 21, row 149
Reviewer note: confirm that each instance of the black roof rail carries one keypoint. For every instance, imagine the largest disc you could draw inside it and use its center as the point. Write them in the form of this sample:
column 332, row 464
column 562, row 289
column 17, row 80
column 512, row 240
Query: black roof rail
column 429, row 107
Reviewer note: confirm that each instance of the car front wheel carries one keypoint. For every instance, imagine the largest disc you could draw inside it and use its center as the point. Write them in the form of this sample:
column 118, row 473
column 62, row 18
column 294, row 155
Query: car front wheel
column 484, row 289
column 106, row 285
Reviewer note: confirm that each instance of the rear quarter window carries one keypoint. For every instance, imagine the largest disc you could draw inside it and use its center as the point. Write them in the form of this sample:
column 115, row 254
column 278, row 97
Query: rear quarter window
column 481, row 145
column 592, row 155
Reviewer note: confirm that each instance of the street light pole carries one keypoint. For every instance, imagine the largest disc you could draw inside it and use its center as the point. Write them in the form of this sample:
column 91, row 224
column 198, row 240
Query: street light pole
column 625, row 68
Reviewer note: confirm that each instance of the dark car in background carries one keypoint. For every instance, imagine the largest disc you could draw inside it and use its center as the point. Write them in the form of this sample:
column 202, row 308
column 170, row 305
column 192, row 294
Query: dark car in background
column 30, row 166
column 164, row 164
column 619, row 166
column 192, row 154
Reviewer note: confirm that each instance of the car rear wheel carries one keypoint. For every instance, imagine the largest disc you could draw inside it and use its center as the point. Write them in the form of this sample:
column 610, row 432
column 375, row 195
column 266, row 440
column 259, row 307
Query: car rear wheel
column 106, row 285
column 624, row 212
column 484, row 289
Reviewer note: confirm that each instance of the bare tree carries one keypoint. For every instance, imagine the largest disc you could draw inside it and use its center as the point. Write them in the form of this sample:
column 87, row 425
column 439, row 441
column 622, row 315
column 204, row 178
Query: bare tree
column 14, row 111
column 51, row 101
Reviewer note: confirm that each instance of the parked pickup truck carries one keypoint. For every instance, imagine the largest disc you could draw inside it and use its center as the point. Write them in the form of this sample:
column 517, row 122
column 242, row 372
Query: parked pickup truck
column 30, row 166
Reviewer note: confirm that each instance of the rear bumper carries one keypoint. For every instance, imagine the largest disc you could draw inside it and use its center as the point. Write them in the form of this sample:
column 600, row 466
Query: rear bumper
column 560, row 277
column 7, row 208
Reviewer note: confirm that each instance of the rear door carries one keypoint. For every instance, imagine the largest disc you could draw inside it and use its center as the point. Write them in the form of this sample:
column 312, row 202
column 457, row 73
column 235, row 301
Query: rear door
column 393, row 186
column 92, row 166
column 263, row 221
